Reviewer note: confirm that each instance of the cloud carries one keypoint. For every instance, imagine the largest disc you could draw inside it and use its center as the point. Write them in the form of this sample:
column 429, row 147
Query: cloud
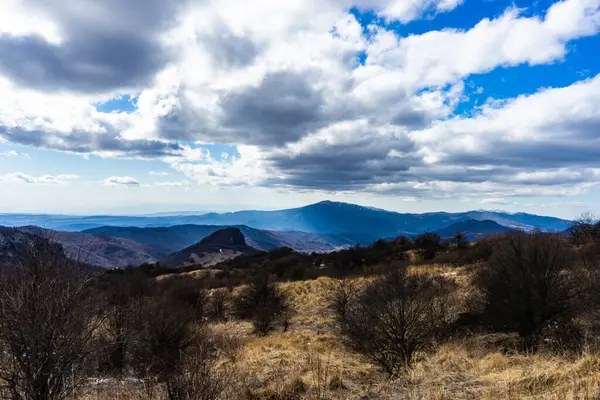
column 121, row 181
column 10, row 153
column 97, row 46
column 174, row 185
column 409, row 10
column 19, row 177
column 154, row 173
column 286, row 89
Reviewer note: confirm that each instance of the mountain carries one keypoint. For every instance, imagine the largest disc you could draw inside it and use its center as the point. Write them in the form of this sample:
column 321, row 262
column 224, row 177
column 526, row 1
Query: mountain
column 352, row 223
column 213, row 249
column 174, row 238
column 97, row 250
column 337, row 223
column 15, row 246
column 473, row 229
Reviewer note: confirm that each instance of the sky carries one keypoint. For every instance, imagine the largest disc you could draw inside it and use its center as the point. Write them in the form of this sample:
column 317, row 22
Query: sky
column 218, row 105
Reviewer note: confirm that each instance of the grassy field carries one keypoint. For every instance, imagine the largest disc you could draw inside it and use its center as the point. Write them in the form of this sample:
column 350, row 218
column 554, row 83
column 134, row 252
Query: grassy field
column 309, row 361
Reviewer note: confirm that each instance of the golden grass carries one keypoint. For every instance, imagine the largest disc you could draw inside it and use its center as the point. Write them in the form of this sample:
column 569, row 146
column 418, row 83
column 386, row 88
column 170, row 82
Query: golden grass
column 473, row 368
column 309, row 361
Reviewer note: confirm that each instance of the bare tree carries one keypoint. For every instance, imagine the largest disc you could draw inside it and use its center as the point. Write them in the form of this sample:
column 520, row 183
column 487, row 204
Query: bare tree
column 528, row 283
column 47, row 319
column 395, row 316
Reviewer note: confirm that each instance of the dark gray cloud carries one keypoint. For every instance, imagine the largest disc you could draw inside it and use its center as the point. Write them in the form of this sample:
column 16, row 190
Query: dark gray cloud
column 284, row 107
column 347, row 166
column 107, row 45
column 540, row 154
column 84, row 143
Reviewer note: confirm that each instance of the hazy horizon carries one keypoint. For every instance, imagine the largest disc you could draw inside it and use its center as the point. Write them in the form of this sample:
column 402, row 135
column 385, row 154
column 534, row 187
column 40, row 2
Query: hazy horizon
column 196, row 212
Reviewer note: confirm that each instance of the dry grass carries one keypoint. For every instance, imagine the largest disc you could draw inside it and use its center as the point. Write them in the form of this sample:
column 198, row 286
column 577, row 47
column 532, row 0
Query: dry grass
column 472, row 368
column 309, row 362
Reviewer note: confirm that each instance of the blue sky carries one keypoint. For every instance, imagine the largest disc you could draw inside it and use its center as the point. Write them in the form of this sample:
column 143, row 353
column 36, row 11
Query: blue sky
column 413, row 106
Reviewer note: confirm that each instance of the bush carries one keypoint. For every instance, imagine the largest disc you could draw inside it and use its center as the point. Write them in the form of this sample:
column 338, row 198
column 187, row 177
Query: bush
column 47, row 320
column 263, row 304
column 340, row 297
column 395, row 316
column 218, row 305
column 528, row 284
column 428, row 244
column 172, row 351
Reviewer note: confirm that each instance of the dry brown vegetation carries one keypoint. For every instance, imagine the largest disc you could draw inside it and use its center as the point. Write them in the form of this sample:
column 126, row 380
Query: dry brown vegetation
column 210, row 354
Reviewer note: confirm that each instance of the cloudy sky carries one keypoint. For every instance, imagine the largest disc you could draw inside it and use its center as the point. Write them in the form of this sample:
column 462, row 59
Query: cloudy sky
column 413, row 105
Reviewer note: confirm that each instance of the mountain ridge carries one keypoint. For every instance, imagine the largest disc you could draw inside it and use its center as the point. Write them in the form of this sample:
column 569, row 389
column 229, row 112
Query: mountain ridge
column 335, row 223
column 473, row 229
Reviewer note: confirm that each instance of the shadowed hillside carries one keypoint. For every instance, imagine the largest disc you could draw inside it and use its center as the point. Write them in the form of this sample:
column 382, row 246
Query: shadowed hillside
column 473, row 229
column 217, row 247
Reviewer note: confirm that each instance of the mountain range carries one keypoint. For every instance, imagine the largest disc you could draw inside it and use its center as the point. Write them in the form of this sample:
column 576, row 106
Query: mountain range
column 116, row 241
column 326, row 217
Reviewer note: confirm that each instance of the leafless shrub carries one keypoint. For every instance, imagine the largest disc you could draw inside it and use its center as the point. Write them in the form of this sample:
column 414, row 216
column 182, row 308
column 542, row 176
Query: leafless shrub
column 395, row 316
column 48, row 316
column 262, row 303
column 427, row 244
column 187, row 292
column 218, row 304
column 197, row 376
column 170, row 350
column 529, row 284
column 340, row 297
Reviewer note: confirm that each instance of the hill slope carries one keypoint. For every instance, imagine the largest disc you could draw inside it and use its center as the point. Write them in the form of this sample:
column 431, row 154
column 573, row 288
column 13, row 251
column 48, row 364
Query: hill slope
column 97, row 250
column 473, row 229
column 217, row 247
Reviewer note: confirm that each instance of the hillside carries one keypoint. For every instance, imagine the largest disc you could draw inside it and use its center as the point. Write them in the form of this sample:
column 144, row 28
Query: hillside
column 215, row 248
column 97, row 250
column 13, row 244
column 174, row 238
column 473, row 229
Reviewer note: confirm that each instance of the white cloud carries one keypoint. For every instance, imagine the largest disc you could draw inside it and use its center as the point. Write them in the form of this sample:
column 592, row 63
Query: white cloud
column 154, row 173
column 121, row 181
column 16, row 19
column 285, row 87
column 19, row 177
column 10, row 153
column 185, row 185
column 409, row 10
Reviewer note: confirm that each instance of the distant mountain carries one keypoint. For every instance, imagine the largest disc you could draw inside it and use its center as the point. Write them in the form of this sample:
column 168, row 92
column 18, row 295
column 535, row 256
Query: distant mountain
column 340, row 223
column 352, row 223
column 174, row 238
column 219, row 246
column 15, row 246
column 96, row 250
column 473, row 229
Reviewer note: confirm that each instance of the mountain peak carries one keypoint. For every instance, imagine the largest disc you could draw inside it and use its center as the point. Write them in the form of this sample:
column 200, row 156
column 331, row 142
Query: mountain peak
column 218, row 246
column 225, row 237
column 343, row 204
